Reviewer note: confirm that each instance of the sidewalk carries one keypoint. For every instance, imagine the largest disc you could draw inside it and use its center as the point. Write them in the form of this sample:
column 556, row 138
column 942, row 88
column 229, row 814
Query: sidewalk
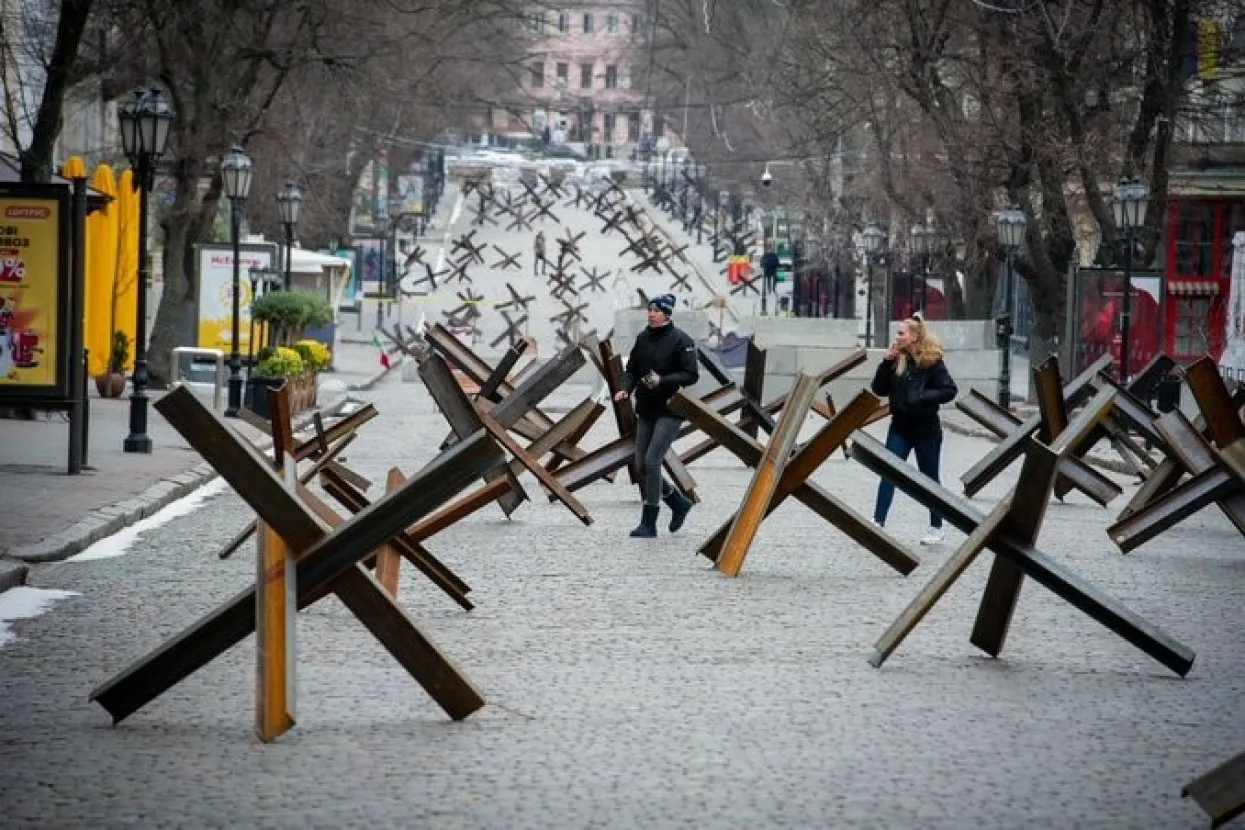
column 52, row 515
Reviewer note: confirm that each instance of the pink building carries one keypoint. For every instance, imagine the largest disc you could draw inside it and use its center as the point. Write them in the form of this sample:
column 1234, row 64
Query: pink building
column 583, row 75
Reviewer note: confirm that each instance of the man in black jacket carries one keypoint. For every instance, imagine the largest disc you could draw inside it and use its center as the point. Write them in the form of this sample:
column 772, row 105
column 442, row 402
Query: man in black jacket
column 662, row 361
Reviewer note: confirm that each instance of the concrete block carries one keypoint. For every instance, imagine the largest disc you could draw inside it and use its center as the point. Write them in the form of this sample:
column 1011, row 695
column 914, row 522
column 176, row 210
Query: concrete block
column 410, row 372
column 800, row 331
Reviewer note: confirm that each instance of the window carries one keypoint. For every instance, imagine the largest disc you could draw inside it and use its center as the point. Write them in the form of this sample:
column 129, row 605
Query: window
column 587, row 23
column 611, row 77
column 1194, row 249
column 538, row 22
column 608, row 138
column 611, row 23
column 637, row 24
column 585, row 76
column 1192, row 323
column 538, row 74
column 564, row 22
column 563, row 71
column 633, row 127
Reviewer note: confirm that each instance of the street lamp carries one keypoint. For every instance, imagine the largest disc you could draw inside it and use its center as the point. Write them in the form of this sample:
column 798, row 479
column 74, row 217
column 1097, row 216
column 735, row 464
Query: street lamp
column 145, row 122
column 1129, row 206
column 922, row 246
column 235, row 173
column 1011, row 224
column 261, row 276
column 700, row 198
column 290, row 204
column 873, row 237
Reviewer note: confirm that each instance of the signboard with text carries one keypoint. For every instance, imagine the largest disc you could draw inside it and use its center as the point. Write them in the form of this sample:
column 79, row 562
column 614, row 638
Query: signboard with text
column 215, row 298
column 34, row 292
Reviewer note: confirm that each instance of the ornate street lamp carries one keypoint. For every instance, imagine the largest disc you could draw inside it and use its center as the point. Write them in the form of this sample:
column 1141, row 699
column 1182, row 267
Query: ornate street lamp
column 1129, row 206
column 1011, row 224
column 873, row 238
column 145, row 123
column 235, row 173
column 290, row 204
column 922, row 246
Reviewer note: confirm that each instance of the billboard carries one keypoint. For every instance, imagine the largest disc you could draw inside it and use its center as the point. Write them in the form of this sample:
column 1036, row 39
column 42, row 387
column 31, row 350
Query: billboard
column 1232, row 364
column 215, row 298
column 1099, row 304
column 34, row 292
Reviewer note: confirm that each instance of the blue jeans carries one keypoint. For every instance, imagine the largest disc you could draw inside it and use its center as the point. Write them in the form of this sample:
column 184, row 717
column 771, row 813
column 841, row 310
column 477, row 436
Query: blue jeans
column 928, row 451
column 653, row 440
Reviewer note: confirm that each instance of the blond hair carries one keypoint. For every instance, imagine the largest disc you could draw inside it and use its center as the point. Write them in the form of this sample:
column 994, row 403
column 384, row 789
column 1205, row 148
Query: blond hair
column 926, row 351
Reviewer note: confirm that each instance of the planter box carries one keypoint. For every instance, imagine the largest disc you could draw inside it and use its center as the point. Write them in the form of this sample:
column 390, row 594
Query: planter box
column 256, row 398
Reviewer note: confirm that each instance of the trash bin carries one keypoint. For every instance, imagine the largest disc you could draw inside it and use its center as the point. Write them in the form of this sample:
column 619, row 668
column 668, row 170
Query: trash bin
column 1167, row 393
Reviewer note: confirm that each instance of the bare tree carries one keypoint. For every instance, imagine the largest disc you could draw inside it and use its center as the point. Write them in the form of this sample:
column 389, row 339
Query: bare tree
column 39, row 47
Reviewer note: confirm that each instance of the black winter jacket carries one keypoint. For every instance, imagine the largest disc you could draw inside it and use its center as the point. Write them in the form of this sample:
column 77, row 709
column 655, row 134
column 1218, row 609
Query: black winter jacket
column 671, row 353
column 915, row 396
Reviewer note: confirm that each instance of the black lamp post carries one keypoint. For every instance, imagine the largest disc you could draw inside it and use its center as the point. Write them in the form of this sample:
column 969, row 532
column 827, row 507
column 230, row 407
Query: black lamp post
column 145, row 122
column 922, row 246
column 1129, row 206
column 1011, row 224
column 700, row 199
column 235, row 172
column 873, row 237
column 259, row 277
column 290, row 204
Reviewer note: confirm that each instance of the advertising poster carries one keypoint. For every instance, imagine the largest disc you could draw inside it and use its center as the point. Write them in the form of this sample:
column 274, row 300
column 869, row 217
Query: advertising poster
column 32, row 282
column 369, row 265
column 215, row 298
column 1100, row 301
column 1232, row 364
column 411, row 194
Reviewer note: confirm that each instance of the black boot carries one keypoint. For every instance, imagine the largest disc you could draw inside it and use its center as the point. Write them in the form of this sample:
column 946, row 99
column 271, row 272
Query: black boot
column 680, row 505
column 647, row 528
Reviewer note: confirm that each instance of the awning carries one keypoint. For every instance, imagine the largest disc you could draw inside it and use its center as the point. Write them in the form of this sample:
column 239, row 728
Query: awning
column 1193, row 287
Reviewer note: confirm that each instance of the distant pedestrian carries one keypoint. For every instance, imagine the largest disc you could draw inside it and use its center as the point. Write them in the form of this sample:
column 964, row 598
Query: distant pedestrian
column 662, row 362
column 915, row 379
column 539, row 263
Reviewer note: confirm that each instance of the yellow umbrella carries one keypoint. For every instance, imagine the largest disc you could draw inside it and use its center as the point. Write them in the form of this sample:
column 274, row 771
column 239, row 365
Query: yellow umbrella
column 126, row 258
column 101, row 272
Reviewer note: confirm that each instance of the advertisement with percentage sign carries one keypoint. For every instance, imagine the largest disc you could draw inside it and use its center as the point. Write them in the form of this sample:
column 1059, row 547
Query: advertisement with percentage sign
column 32, row 292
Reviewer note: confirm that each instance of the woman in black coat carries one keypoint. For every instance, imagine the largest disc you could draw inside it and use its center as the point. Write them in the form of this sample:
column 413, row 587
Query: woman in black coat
column 915, row 379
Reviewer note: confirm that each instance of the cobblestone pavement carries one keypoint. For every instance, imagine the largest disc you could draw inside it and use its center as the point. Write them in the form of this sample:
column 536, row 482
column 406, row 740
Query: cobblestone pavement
column 601, row 253
column 630, row 685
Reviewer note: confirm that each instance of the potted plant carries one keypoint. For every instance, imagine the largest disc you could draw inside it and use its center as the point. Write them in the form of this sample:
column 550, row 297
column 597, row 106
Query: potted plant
column 316, row 358
column 276, row 366
column 111, row 384
column 288, row 313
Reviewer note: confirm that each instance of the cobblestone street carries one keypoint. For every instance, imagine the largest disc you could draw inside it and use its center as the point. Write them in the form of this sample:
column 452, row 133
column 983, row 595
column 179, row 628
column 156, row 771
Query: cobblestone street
column 630, row 685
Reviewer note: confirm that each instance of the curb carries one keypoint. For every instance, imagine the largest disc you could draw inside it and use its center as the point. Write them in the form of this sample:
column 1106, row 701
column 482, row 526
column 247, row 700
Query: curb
column 12, row 574
column 366, row 385
column 106, row 521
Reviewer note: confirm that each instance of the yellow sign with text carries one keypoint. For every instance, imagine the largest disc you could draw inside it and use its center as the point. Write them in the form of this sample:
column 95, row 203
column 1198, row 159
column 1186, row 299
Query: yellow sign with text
column 30, row 270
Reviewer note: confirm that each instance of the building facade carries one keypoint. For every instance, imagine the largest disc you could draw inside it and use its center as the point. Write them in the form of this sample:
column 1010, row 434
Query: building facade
column 581, row 82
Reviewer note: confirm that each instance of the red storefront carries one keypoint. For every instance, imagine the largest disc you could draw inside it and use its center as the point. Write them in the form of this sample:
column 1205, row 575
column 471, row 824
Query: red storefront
column 1206, row 207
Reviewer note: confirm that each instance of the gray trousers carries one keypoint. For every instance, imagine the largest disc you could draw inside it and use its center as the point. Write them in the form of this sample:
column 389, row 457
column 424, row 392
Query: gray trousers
column 652, row 441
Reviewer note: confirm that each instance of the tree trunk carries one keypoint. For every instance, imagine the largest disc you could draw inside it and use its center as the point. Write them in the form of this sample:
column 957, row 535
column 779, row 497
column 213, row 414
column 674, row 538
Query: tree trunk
column 176, row 320
column 37, row 159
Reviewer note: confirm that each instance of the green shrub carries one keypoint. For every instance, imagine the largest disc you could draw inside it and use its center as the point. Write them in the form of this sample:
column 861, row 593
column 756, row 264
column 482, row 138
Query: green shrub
column 284, row 363
column 288, row 313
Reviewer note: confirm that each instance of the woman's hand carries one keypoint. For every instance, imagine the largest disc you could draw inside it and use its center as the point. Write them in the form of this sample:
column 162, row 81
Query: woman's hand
column 892, row 353
column 621, row 395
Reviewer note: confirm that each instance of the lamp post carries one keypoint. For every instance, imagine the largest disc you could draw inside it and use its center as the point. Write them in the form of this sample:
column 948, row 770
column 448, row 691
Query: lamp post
column 145, row 122
column 235, row 173
column 922, row 245
column 700, row 199
column 873, row 237
column 1129, row 206
column 259, row 276
column 1011, row 224
column 290, row 204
